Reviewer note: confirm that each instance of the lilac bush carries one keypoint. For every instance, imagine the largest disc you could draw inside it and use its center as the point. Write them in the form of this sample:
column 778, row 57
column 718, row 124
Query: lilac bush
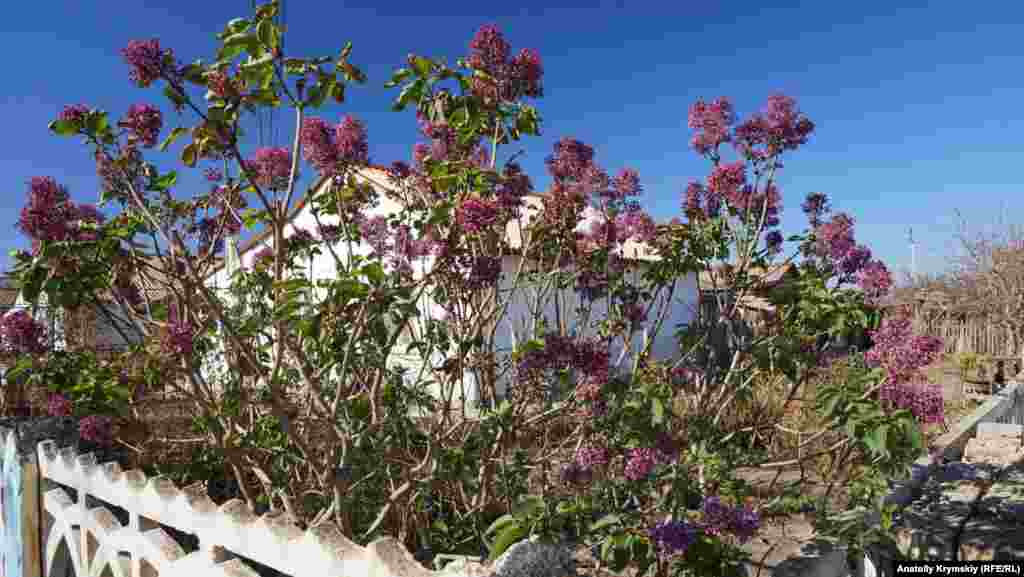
column 382, row 448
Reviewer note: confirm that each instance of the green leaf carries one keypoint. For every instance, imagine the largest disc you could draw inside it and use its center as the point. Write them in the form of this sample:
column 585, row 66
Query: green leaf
column 421, row 65
column 657, row 411
column 508, row 537
column 96, row 123
column 63, row 127
column 412, row 92
column 238, row 25
column 314, row 96
column 604, row 522
column 398, row 77
column 500, row 523
column 240, row 39
column 265, row 33
column 188, row 155
column 338, row 92
column 175, row 133
column 165, row 181
column 528, row 506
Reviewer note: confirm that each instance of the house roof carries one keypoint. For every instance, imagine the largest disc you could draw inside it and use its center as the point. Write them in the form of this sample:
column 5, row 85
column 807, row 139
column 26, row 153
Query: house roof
column 765, row 278
column 513, row 235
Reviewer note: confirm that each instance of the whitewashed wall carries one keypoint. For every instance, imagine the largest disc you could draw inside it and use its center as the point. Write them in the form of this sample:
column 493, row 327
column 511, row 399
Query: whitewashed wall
column 513, row 326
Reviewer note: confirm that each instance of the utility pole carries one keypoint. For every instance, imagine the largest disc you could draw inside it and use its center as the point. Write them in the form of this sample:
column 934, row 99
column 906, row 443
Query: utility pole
column 913, row 253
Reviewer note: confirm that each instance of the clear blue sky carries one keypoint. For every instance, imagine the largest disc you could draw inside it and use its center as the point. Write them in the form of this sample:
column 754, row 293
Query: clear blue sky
column 918, row 106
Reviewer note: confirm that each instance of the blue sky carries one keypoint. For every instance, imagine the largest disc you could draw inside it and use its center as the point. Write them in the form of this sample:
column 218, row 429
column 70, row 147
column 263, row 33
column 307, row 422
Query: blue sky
column 917, row 105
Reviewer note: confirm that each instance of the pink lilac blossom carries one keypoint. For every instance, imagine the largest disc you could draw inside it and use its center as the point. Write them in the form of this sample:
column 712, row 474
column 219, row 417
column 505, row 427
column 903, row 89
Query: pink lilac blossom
column 21, row 334
column 700, row 202
column 58, row 405
column 352, row 141
column 46, row 214
column 711, row 121
column 74, row 113
column 513, row 186
column 639, row 463
column 636, row 224
column 854, row 260
column 222, row 84
column 328, row 148
column 626, row 184
column 507, row 80
column 903, row 355
column 834, row 239
column 179, row 338
column 476, row 215
column 781, row 126
column 270, row 168
column 729, row 181
column 765, row 204
column 570, row 161
column 815, row 206
column 146, row 59
column 874, row 280
column 96, row 428
column 117, row 174
column 143, row 123
column 591, row 455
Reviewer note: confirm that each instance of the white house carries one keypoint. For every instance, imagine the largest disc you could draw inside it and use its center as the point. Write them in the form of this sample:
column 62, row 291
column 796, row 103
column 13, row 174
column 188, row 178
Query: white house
column 680, row 306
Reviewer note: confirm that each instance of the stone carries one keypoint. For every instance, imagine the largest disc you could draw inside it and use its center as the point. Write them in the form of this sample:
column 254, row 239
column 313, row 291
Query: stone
column 529, row 558
column 986, row 538
column 787, row 547
column 928, row 527
column 993, row 450
column 999, row 429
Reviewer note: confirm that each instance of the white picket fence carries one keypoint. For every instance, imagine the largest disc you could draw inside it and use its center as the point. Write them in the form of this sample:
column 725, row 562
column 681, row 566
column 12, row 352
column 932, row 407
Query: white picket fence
column 44, row 532
column 58, row 534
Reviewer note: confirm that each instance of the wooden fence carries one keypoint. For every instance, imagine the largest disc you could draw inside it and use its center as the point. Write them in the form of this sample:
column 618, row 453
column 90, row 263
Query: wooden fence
column 978, row 337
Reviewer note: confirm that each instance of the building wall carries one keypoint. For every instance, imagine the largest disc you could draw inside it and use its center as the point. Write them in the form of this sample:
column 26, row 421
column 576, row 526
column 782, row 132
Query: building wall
column 515, row 325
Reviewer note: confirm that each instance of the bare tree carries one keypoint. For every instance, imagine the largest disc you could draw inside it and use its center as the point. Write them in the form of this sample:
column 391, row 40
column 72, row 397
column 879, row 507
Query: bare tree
column 988, row 278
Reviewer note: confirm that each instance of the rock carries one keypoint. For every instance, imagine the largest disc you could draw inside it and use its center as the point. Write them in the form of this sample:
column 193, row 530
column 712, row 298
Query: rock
column 993, row 449
column 534, row 559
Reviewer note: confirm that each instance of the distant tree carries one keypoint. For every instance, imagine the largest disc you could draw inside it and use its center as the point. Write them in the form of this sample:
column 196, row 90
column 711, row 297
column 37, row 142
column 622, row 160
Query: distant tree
column 988, row 278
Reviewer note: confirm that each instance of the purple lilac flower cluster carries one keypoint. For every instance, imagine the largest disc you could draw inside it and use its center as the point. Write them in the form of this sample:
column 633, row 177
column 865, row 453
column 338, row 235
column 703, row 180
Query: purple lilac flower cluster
column 903, row 355
column 673, row 537
column 719, row 518
column 96, row 428
column 270, row 168
column 179, row 338
column 329, row 148
column 147, row 60
column 50, row 215
column 592, row 454
column 143, row 123
column 58, row 406
column 476, row 215
column 74, row 113
column 640, row 462
column 21, row 334
column 507, row 80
